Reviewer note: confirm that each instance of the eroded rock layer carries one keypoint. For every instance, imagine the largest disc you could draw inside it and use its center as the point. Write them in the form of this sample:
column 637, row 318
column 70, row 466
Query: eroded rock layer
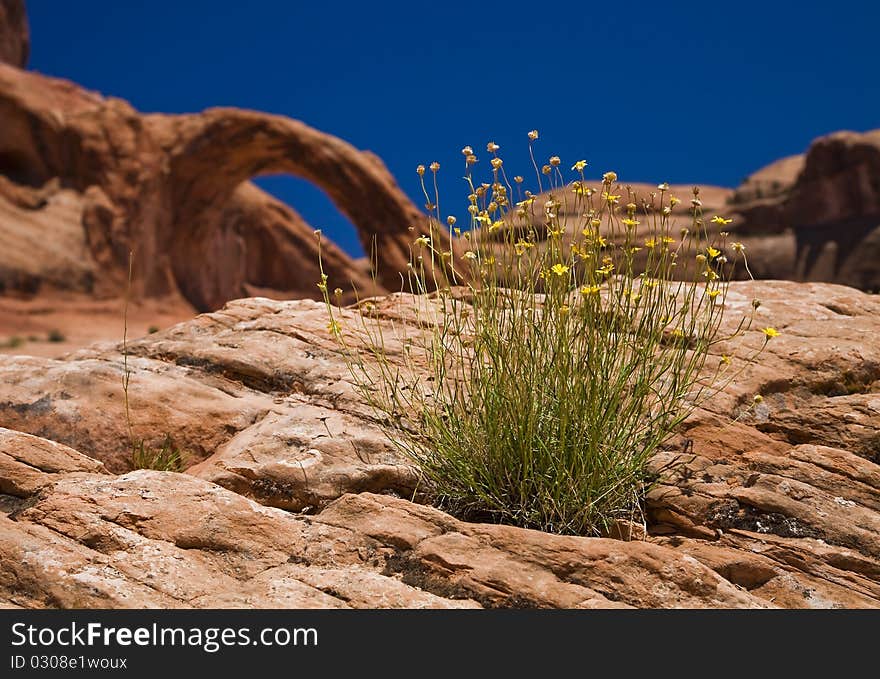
column 174, row 190
column 293, row 497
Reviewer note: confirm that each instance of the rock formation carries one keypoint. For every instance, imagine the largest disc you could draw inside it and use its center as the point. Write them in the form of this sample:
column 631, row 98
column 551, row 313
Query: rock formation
column 103, row 179
column 15, row 43
column 175, row 190
column 816, row 216
column 809, row 217
column 290, row 495
column 300, row 501
column 834, row 209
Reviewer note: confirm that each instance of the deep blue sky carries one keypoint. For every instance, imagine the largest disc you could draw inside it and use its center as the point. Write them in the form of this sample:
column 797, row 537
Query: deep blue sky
column 659, row 91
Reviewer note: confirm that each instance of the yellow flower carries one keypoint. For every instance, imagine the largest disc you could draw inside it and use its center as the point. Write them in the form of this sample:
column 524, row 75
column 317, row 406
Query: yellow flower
column 601, row 242
column 564, row 309
column 650, row 243
column 738, row 247
column 559, row 269
column 770, row 333
column 496, row 163
column 605, row 270
column 609, row 177
column 668, row 240
column 631, row 222
column 589, row 290
column 725, row 359
column 521, row 246
column 491, row 147
column 494, row 226
column 423, row 240
column 673, row 201
column 713, row 293
column 720, row 220
column 610, row 198
column 322, row 286
column 334, row 327
column 434, row 166
column 579, row 165
column 713, row 253
column 470, row 254
column 420, row 170
column 555, row 161
column 533, row 135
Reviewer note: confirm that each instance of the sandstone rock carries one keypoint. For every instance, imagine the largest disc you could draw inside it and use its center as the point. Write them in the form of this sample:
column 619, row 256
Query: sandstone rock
column 808, row 217
column 159, row 539
column 825, row 203
column 15, row 44
column 154, row 539
column 175, row 189
column 770, row 181
column 779, row 508
column 28, row 463
column 257, row 391
column 46, row 224
column 836, row 202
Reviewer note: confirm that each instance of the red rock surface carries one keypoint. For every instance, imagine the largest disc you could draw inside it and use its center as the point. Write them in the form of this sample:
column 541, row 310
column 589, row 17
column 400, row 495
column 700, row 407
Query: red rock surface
column 175, row 190
column 808, row 217
column 15, row 43
column 292, row 496
column 821, row 210
column 301, row 501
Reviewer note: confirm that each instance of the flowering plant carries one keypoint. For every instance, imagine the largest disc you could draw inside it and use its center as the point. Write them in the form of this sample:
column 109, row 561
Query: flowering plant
column 556, row 345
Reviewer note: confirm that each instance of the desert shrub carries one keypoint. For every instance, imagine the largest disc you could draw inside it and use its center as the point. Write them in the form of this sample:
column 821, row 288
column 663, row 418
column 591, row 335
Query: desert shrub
column 56, row 336
column 552, row 353
column 165, row 457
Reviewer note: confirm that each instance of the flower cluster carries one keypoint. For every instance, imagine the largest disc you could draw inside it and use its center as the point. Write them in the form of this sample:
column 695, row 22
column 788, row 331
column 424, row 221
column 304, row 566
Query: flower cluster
column 565, row 337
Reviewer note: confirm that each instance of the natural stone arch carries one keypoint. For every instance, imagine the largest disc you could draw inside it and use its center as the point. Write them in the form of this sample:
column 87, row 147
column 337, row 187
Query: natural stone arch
column 213, row 153
column 174, row 190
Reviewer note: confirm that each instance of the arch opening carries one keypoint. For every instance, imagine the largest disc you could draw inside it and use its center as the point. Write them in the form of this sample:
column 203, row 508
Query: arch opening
column 315, row 207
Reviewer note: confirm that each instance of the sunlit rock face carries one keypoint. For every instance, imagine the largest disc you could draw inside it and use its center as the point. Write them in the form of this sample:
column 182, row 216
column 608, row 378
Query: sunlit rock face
column 293, row 496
